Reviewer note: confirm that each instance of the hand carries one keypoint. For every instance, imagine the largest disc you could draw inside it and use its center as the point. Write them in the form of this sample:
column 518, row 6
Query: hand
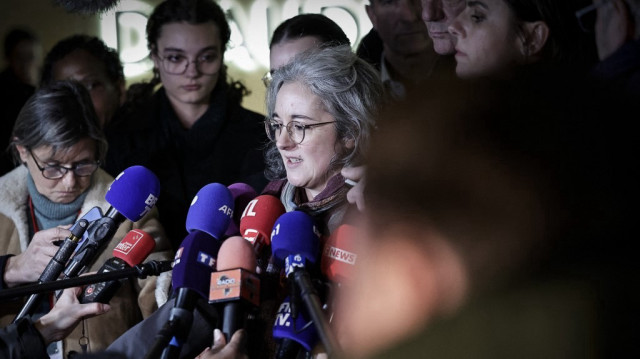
column 27, row 266
column 222, row 350
column 355, row 194
column 66, row 314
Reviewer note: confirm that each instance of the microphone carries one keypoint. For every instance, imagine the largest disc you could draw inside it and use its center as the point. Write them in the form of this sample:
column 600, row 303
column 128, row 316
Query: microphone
column 256, row 223
column 207, row 219
column 55, row 266
column 295, row 241
column 131, row 196
column 242, row 195
column 235, row 284
column 291, row 334
column 132, row 250
column 87, row 7
column 339, row 255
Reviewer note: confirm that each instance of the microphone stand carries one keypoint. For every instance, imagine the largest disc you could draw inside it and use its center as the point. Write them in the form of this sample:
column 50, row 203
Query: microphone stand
column 151, row 268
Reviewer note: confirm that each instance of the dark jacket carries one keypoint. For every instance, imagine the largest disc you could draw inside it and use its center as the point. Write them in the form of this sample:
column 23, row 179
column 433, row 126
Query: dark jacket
column 223, row 146
column 21, row 340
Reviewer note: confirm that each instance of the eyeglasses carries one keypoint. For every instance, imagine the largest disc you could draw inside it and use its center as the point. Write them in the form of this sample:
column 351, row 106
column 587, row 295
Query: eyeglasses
column 82, row 169
column 177, row 64
column 295, row 129
column 587, row 16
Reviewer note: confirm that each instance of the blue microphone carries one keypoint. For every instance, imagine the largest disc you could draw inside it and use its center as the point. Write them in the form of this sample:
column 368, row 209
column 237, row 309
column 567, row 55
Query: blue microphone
column 131, row 196
column 295, row 241
column 291, row 334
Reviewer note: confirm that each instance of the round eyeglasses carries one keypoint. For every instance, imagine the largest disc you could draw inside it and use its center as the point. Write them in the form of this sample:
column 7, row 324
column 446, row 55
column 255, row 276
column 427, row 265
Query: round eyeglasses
column 82, row 169
column 177, row 64
column 295, row 129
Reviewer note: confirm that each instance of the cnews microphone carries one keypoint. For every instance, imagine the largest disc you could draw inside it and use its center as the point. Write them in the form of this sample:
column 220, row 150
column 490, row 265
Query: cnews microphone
column 242, row 195
column 132, row 250
column 235, row 284
column 339, row 254
column 256, row 224
column 291, row 334
column 131, row 196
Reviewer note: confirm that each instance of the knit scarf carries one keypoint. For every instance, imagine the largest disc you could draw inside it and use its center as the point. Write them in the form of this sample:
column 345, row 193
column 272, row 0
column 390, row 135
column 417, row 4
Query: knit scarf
column 49, row 214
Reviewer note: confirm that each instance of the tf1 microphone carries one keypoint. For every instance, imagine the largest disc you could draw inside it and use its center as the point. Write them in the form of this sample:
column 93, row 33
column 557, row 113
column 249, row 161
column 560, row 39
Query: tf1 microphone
column 256, row 224
column 291, row 334
column 131, row 196
column 242, row 195
column 132, row 250
column 295, row 240
column 235, row 284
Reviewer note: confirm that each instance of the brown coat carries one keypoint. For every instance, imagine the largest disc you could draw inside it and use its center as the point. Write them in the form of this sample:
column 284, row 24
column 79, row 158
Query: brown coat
column 134, row 301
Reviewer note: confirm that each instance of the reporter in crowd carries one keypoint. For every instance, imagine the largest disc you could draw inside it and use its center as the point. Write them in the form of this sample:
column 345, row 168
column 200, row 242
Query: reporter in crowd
column 60, row 146
column 27, row 339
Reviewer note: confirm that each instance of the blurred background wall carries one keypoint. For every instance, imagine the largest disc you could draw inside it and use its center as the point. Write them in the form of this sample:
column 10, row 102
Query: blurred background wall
column 252, row 22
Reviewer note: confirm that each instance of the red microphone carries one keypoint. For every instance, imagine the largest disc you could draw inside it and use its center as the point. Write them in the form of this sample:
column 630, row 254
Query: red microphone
column 132, row 250
column 339, row 255
column 235, row 283
column 258, row 219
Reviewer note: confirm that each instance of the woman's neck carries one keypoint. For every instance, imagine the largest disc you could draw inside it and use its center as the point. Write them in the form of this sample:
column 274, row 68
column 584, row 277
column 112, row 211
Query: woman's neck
column 188, row 113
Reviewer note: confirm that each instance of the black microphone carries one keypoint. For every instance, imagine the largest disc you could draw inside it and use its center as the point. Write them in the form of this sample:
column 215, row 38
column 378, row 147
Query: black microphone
column 55, row 266
column 132, row 250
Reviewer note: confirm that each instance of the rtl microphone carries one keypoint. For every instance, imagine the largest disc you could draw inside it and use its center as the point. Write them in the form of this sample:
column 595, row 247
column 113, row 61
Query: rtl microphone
column 55, row 266
column 242, row 195
column 131, row 196
column 235, row 284
column 291, row 334
column 256, row 223
column 295, row 241
column 132, row 250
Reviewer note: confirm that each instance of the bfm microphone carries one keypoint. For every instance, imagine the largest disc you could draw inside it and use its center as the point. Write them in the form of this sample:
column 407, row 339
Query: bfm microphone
column 291, row 334
column 242, row 195
column 131, row 196
column 132, row 250
column 295, row 241
column 208, row 218
column 55, row 266
column 235, row 284
column 256, row 224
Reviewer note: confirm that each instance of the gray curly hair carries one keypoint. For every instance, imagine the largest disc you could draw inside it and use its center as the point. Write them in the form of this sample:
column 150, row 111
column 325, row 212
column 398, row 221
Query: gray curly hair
column 349, row 88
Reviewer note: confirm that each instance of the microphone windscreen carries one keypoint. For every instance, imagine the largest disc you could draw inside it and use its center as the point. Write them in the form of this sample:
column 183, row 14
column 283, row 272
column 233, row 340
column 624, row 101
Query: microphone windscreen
column 340, row 253
column 258, row 219
column 135, row 247
column 194, row 262
column 211, row 210
column 236, row 252
column 87, row 7
column 300, row 330
column 134, row 192
column 295, row 233
column 242, row 194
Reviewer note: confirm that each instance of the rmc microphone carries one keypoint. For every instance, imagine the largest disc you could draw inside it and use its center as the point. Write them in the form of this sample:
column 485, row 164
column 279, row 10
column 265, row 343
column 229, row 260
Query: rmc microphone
column 235, row 284
column 132, row 250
